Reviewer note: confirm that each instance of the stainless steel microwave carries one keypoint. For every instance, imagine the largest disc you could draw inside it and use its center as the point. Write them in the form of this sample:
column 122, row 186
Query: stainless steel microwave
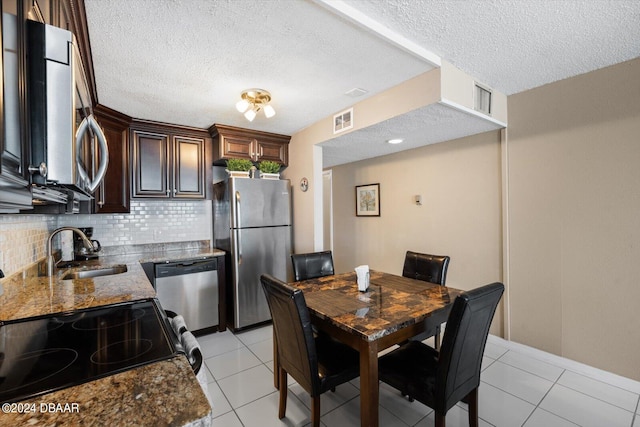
column 68, row 147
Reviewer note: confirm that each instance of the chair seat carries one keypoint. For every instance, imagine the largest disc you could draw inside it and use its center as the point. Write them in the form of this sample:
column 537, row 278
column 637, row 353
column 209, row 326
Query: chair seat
column 411, row 369
column 337, row 362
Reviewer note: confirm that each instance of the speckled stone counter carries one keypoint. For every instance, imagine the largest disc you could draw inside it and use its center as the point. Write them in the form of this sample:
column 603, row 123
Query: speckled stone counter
column 162, row 394
column 27, row 295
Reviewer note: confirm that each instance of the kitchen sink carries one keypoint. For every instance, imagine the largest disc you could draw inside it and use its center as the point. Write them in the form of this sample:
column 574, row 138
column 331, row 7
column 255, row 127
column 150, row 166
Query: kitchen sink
column 86, row 274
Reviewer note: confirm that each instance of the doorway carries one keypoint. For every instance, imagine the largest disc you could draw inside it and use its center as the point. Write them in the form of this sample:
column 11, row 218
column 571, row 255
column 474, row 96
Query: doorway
column 327, row 210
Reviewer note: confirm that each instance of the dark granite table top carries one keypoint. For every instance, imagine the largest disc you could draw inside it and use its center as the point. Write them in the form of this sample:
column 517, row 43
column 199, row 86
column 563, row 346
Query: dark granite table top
column 391, row 302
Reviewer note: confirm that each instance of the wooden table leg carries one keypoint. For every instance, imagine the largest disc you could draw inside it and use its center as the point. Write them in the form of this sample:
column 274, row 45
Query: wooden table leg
column 369, row 384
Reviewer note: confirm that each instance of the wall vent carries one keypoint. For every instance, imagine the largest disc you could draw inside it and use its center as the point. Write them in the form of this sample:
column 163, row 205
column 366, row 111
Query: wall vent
column 482, row 99
column 343, row 121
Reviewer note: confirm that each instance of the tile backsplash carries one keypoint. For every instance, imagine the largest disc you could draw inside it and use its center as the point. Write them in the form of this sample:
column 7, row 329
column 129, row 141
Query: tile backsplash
column 23, row 240
column 23, row 237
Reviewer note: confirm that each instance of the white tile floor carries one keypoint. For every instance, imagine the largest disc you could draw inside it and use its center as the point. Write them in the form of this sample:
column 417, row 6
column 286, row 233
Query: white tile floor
column 517, row 389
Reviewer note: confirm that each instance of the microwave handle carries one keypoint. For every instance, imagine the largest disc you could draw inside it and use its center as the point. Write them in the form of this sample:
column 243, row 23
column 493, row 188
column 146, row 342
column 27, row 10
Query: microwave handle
column 90, row 122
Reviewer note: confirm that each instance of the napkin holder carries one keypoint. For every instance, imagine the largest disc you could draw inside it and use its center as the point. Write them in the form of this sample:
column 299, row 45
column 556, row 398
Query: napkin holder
column 362, row 274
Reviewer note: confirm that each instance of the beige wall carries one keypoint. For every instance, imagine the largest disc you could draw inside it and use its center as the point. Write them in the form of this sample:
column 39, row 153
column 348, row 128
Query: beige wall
column 415, row 93
column 574, row 218
column 571, row 206
column 460, row 184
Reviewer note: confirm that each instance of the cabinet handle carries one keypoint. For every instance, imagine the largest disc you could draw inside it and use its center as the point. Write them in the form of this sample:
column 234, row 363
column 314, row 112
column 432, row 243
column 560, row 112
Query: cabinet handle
column 175, row 191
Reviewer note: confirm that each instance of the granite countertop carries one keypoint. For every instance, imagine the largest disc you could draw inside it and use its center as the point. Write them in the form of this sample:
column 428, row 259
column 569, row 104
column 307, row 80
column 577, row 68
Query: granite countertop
column 162, row 393
column 28, row 295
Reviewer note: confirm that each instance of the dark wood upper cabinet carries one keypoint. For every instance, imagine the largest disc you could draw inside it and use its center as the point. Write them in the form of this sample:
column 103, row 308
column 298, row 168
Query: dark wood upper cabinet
column 231, row 142
column 112, row 196
column 168, row 161
column 150, row 164
column 189, row 167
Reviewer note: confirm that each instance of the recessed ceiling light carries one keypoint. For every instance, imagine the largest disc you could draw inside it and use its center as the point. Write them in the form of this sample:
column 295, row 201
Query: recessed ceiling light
column 395, row 141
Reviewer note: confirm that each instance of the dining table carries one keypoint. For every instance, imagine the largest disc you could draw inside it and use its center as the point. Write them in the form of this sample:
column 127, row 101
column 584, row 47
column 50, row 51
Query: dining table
column 392, row 310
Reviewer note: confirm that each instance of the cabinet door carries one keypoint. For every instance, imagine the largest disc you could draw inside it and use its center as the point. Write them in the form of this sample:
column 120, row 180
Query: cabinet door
column 13, row 150
column 275, row 151
column 113, row 193
column 188, row 166
column 237, row 147
column 150, row 164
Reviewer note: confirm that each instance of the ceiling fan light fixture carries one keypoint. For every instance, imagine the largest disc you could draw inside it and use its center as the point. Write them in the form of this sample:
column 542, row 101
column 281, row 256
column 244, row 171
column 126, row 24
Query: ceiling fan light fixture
column 254, row 100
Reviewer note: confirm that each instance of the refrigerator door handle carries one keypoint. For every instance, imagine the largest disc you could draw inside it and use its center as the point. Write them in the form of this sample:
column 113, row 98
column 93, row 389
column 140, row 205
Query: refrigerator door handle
column 239, row 248
column 238, row 226
column 237, row 210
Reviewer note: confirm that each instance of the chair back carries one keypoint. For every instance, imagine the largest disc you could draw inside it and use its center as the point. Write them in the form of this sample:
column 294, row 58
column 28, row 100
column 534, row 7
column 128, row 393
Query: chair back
column 312, row 265
column 426, row 267
column 463, row 344
column 293, row 333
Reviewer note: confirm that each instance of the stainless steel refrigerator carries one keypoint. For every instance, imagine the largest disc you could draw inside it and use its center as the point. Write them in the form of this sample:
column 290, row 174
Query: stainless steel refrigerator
column 252, row 223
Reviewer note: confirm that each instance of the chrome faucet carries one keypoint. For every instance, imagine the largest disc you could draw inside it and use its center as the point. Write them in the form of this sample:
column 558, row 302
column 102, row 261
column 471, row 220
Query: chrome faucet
column 50, row 261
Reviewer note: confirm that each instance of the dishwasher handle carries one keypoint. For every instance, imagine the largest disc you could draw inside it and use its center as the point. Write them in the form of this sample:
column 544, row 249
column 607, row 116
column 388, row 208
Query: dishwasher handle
column 180, row 268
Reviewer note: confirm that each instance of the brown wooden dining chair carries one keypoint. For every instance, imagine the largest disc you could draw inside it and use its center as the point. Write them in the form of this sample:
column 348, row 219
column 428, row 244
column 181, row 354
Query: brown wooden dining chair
column 312, row 265
column 432, row 269
column 318, row 363
column 441, row 379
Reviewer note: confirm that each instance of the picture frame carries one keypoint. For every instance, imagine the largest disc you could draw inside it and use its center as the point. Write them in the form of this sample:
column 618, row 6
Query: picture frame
column 368, row 200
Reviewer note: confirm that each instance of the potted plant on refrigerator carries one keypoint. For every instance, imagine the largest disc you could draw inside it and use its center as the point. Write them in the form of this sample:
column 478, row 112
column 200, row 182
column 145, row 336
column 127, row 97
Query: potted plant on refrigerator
column 239, row 167
column 269, row 169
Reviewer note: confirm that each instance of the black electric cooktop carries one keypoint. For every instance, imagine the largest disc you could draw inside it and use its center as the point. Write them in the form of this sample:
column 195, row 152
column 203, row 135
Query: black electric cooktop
column 40, row 355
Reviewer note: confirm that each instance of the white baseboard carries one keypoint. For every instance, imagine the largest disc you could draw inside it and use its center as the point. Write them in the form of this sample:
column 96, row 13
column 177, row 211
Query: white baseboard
column 571, row 365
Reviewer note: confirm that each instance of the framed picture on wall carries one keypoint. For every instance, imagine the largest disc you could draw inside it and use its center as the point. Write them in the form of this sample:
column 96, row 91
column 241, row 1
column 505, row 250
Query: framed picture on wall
column 368, row 200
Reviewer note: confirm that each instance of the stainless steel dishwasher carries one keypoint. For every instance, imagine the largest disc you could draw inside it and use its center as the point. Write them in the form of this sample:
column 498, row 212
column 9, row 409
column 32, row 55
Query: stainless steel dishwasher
column 190, row 288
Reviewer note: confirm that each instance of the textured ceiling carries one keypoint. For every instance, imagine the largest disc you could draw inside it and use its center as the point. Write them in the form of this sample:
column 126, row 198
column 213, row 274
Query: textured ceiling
column 186, row 61
column 515, row 45
column 423, row 126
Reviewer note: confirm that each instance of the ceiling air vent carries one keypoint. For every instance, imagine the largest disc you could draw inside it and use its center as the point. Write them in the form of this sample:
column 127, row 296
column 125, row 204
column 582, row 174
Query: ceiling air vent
column 343, row 121
column 356, row 92
column 482, row 99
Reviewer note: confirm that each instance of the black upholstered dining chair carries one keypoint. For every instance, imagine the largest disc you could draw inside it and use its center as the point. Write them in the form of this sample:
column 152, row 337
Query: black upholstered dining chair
column 426, row 267
column 441, row 379
column 318, row 363
column 433, row 269
column 312, row 265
